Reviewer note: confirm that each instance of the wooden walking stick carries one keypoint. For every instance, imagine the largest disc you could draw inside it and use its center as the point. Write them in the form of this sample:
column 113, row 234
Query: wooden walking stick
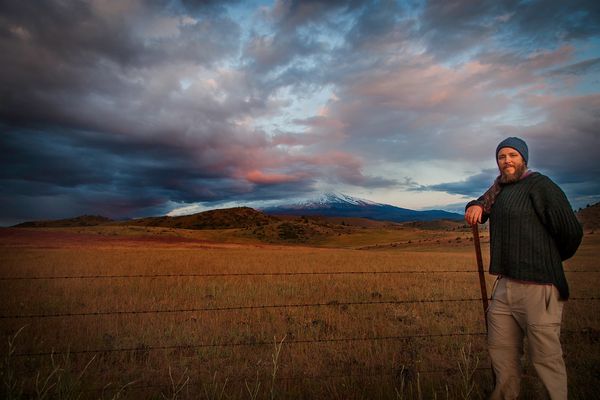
column 482, row 284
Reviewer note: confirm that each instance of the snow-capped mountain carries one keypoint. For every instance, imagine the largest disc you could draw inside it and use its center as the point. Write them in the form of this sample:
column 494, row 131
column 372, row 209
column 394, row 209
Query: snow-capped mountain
column 330, row 200
column 342, row 205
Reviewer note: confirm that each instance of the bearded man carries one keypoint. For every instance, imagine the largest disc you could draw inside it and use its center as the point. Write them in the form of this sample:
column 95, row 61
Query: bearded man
column 533, row 229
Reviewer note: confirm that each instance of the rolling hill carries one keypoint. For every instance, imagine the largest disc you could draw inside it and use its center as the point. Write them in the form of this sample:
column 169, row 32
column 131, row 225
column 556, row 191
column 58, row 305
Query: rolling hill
column 590, row 216
column 82, row 220
column 228, row 218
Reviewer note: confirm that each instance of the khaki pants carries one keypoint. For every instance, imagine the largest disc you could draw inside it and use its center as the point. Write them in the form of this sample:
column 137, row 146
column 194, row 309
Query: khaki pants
column 522, row 309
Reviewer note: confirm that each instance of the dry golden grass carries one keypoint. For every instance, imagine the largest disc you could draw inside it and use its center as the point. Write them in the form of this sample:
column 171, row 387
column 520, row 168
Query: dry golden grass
column 234, row 352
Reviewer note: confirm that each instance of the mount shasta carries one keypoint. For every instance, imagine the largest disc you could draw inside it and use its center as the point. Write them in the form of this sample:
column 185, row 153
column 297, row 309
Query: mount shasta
column 341, row 205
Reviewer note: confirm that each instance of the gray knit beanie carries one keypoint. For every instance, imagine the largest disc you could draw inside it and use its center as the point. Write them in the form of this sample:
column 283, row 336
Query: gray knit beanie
column 517, row 144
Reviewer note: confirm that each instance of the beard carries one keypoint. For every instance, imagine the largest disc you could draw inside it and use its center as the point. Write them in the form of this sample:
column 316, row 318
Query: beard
column 505, row 177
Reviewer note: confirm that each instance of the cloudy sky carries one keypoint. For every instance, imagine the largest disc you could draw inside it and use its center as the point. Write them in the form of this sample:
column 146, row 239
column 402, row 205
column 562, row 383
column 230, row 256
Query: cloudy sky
column 128, row 108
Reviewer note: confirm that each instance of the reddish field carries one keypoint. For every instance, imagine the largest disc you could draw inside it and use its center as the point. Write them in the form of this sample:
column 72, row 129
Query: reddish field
column 68, row 237
column 342, row 324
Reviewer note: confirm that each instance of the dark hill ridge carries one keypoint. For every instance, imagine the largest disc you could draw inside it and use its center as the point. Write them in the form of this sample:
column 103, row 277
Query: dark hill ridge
column 83, row 220
column 228, row 218
column 590, row 216
column 238, row 217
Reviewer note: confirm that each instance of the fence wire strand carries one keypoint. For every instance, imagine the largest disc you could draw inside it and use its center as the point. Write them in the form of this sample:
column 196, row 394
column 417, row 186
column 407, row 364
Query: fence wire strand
column 333, row 303
column 249, row 274
column 250, row 344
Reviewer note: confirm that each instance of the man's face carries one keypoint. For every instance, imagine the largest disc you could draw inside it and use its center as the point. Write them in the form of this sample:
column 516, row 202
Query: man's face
column 510, row 164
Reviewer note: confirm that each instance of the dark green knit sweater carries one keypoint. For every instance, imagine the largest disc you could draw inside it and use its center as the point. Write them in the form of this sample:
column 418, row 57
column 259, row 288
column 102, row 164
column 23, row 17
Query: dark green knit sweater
column 532, row 230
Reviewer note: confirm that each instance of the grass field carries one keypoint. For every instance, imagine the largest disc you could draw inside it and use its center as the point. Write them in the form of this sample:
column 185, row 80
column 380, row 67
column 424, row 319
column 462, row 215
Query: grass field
column 218, row 315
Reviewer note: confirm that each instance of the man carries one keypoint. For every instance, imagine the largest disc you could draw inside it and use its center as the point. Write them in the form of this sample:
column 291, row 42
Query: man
column 532, row 230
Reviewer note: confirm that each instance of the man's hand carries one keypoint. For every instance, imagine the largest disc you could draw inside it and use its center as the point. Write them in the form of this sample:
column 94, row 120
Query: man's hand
column 473, row 215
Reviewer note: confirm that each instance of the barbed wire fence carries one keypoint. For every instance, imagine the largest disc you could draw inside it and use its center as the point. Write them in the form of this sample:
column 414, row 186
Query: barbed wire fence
column 238, row 274
column 333, row 303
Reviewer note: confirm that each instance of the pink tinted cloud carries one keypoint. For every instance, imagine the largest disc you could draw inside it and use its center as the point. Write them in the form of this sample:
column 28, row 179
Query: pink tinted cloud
column 332, row 165
column 423, row 86
column 548, row 59
column 508, row 71
column 566, row 113
column 262, row 178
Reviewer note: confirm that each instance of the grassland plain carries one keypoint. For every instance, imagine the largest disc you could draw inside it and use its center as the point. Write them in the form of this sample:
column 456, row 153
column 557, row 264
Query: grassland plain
column 216, row 314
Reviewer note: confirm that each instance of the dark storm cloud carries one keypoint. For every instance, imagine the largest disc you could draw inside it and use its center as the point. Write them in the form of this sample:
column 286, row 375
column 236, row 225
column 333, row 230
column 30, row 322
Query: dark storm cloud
column 472, row 186
column 69, row 63
column 76, row 34
column 580, row 68
column 92, row 108
column 296, row 26
column 293, row 14
column 297, row 51
column 78, row 172
column 551, row 20
column 453, row 28
column 70, row 159
column 201, row 6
